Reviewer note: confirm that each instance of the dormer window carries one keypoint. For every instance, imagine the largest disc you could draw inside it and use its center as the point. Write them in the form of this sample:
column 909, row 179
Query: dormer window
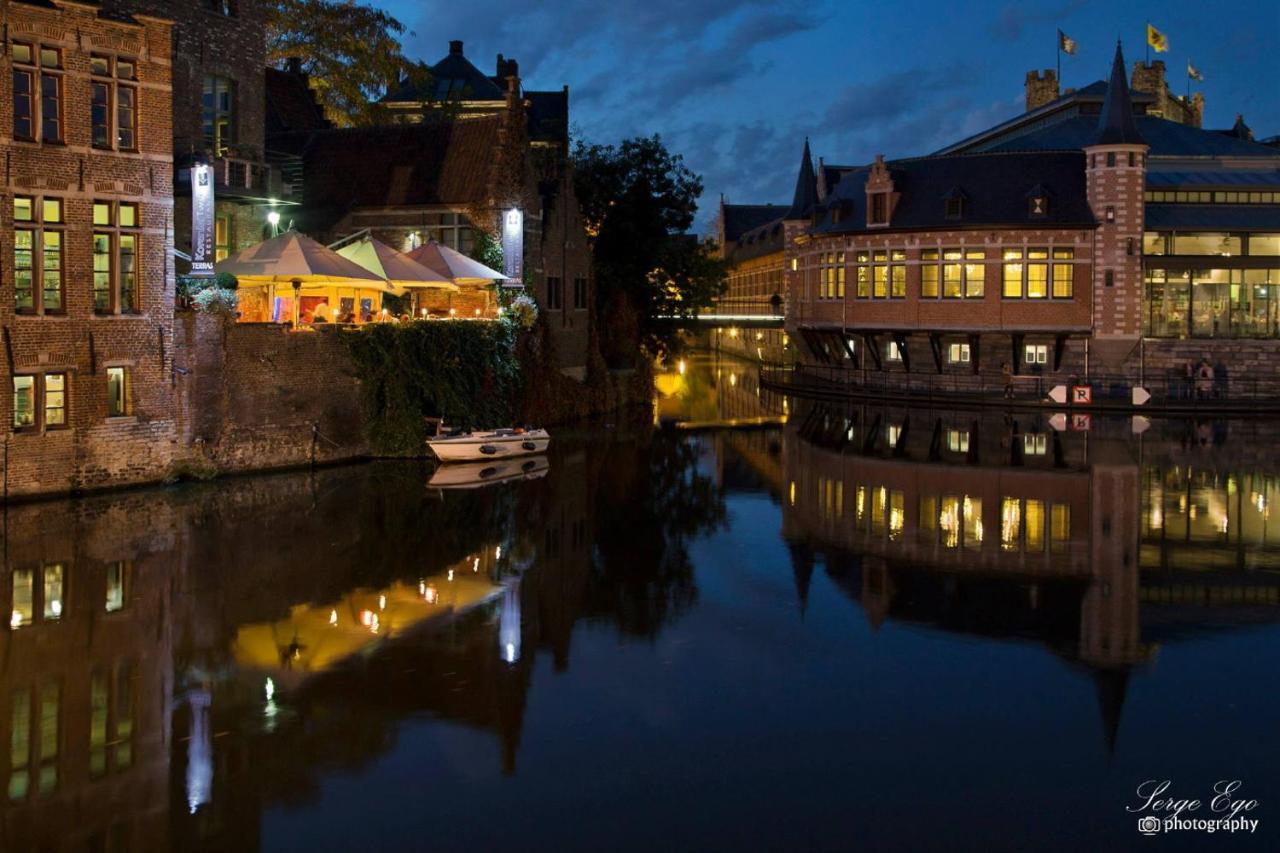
column 879, row 208
column 955, row 206
column 1038, row 205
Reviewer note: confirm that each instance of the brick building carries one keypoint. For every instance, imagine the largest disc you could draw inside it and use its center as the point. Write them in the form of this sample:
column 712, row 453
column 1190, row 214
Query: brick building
column 448, row 168
column 1090, row 235
column 219, row 116
column 87, row 222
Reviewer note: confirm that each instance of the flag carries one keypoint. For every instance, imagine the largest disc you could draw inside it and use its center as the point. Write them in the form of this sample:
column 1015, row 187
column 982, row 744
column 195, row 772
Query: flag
column 1066, row 44
column 1194, row 73
column 1158, row 40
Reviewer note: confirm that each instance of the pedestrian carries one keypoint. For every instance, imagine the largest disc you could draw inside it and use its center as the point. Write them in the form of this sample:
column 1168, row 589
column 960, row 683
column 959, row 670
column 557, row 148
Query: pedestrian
column 1007, row 371
column 1204, row 381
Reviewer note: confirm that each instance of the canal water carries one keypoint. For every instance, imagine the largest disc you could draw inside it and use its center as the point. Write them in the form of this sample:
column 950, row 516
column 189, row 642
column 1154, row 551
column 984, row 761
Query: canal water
column 737, row 622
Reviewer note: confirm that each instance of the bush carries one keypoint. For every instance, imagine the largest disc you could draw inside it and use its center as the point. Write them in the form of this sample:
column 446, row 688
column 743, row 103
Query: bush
column 521, row 312
column 189, row 287
column 462, row 371
column 216, row 300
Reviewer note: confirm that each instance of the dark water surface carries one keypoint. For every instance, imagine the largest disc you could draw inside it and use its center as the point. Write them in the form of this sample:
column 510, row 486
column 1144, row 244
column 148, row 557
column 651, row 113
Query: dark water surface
column 832, row 627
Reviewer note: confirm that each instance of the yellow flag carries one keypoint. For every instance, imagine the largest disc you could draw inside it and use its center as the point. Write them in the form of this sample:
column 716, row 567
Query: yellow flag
column 1158, row 40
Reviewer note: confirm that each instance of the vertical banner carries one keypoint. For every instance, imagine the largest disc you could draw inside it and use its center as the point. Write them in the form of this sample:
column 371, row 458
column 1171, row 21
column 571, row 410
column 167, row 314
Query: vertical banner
column 513, row 246
column 202, row 248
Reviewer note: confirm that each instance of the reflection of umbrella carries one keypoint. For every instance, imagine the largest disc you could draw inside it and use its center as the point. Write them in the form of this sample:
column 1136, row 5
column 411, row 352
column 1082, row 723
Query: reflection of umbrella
column 301, row 262
column 396, row 267
column 456, row 266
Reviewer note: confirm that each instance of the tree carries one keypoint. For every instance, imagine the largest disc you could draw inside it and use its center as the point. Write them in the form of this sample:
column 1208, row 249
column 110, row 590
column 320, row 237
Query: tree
column 351, row 52
column 639, row 200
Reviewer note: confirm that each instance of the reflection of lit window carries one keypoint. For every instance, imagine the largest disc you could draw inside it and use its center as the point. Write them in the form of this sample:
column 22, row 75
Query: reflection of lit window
column 892, row 433
column 860, row 503
column 958, row 440
column 20, row 745
column 117, row 578
column 877, row 509
column 928, row 512
column 1035, row 444
column 98, row 699
column 1059, row 527
column 50, row 706
column 53, row 592
column 949, row 521
column 972, row 522
column 124, row 715
column 23, row 598
column 1010, row 524
column 1035, row 526
column 897, row 512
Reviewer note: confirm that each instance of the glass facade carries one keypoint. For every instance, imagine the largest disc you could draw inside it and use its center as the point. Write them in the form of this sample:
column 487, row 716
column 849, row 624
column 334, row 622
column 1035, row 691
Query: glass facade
column 1188, row 298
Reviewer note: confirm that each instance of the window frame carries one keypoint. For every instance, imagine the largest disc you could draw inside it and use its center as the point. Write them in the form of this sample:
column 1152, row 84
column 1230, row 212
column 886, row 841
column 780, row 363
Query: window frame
column 126, row 391
column 39, row 228
column 40, row 401
column 116, row 234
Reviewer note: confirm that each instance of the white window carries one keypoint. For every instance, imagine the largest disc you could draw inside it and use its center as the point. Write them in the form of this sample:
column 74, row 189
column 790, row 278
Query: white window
column 1035, row 444
column 958, row 440
column 958, row 354
column 892, row 433
column 1037, row 354
column 891, row 352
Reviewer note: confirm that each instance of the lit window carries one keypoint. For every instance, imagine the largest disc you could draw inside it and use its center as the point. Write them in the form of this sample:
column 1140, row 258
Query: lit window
column 1037, row 274
column 929, row 274
column 958, row 440
column 958, row 353
column 1037, row 354
column 39, row 400
column 891, row 351
column 1035, row 444
column 1012, row 274
column 219, row 113
column 119, row 393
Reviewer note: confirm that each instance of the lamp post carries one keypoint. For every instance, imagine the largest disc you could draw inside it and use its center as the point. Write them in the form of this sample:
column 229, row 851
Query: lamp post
column 273, row 219
column 297, row 301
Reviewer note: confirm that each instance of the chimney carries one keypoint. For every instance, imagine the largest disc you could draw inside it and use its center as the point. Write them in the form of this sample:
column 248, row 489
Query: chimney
column 293, row 64
column 501, row 65
column 1041, row 88
column 455, row 47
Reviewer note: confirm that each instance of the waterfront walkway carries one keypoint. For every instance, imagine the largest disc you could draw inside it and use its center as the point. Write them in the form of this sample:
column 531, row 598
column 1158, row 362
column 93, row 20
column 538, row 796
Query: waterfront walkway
column 1107, row 393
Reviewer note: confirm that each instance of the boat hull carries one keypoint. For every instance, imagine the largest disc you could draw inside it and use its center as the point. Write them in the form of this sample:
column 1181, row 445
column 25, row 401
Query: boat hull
column 481, row 447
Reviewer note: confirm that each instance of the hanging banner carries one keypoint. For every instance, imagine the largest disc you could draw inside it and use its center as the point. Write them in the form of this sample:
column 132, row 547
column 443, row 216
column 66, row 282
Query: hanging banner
column 513, row 246
column 202, row 248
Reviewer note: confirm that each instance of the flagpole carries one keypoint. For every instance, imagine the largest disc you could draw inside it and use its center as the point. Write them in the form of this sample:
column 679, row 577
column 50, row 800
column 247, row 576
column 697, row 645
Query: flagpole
column 1146, row 37
column 1059, row 44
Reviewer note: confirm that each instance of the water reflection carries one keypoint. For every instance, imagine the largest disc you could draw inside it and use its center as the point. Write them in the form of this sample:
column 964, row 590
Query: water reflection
column 185, row 666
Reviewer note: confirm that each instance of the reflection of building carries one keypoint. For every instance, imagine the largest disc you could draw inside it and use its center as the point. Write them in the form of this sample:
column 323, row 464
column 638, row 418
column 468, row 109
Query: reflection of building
column 1088, row 223
column 87, row 669
column 88, row 308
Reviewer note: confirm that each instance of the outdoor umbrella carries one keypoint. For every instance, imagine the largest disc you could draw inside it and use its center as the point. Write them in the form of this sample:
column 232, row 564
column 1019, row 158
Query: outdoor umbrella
column 396, row 267
column 456, row 266
column 301, row 262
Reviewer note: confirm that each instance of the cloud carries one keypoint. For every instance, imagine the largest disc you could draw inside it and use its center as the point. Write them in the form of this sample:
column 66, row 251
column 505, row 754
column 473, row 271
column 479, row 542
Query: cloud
column 1014, row 17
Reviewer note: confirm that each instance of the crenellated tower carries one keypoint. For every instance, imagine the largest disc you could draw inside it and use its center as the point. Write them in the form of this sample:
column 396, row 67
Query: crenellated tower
column 1116, row 167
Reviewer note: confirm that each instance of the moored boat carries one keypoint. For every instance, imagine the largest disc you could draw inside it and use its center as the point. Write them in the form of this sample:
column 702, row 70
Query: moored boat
column 481, row 446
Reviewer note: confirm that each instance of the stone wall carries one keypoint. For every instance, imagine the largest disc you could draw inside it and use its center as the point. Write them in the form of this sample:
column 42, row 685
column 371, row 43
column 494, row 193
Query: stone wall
column 253, row 396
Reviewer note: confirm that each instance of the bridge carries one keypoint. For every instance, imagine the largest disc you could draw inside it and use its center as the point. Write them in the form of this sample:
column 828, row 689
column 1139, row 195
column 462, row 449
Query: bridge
column 723, row 321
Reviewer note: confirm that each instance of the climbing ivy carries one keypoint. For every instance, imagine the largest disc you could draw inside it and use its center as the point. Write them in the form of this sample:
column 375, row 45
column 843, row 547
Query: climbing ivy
column 462, row 371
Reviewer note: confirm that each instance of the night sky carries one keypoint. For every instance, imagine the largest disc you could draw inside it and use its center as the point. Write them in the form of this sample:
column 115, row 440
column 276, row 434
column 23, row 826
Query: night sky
column 736, row 86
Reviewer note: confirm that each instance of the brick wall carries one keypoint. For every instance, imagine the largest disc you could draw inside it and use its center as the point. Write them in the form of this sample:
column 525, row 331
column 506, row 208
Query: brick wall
column 92, row 450
column 256, row 396
column 1115, row 179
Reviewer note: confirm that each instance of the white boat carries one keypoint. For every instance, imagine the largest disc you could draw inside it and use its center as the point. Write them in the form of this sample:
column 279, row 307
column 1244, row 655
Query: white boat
column 475, row 475
column 481, row 446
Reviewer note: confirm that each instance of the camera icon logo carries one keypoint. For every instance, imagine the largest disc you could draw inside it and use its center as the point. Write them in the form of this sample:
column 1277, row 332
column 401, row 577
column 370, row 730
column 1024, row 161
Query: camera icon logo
column 1149, row 825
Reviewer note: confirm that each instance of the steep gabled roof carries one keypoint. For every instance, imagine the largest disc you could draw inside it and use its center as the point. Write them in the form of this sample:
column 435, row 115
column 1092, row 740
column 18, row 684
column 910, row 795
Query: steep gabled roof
column 741, row 218
column 1116, row 125
column 806, row 194
column 995, row 187
column 453, row 77
column 291, row 104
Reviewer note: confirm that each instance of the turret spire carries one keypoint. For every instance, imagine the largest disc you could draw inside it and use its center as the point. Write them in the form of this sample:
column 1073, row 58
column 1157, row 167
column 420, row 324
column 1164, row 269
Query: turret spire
column 806, row 196
column 1116, row 125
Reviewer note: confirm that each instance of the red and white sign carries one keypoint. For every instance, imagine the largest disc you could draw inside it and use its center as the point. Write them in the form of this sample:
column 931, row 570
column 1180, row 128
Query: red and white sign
column 1081, row 423
column 1082, row 394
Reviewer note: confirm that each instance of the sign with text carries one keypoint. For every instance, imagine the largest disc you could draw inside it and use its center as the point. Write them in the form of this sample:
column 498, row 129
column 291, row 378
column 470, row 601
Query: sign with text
column 202, row 245
column 513, row 245
column 1081, row 423
column 1082, row 394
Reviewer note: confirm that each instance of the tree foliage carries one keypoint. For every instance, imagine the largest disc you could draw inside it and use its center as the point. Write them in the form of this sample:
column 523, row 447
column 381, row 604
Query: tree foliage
column 638, row 200
column 351, row 51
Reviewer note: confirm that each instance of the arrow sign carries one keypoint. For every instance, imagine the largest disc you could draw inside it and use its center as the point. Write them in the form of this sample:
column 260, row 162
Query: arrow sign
column 1140, row 395
column 1059, row 421
column 1058, row 394
column 1140, row 424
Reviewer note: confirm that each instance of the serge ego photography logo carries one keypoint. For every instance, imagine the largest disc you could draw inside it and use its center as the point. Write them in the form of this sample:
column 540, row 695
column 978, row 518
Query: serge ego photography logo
column 1161, row 809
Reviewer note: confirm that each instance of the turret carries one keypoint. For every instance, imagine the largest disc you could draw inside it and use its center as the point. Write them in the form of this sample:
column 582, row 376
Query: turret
column 1041, row 88
column 1115, row 165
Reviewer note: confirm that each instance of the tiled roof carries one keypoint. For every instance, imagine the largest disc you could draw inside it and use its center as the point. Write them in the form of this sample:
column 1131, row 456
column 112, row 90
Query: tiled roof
column 763, row 240
column 741, row 218
column 1215, row 217
column 995, row 188
column 1166, row 139
column 434, row 163
column 291, row 105
column 452, row 77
